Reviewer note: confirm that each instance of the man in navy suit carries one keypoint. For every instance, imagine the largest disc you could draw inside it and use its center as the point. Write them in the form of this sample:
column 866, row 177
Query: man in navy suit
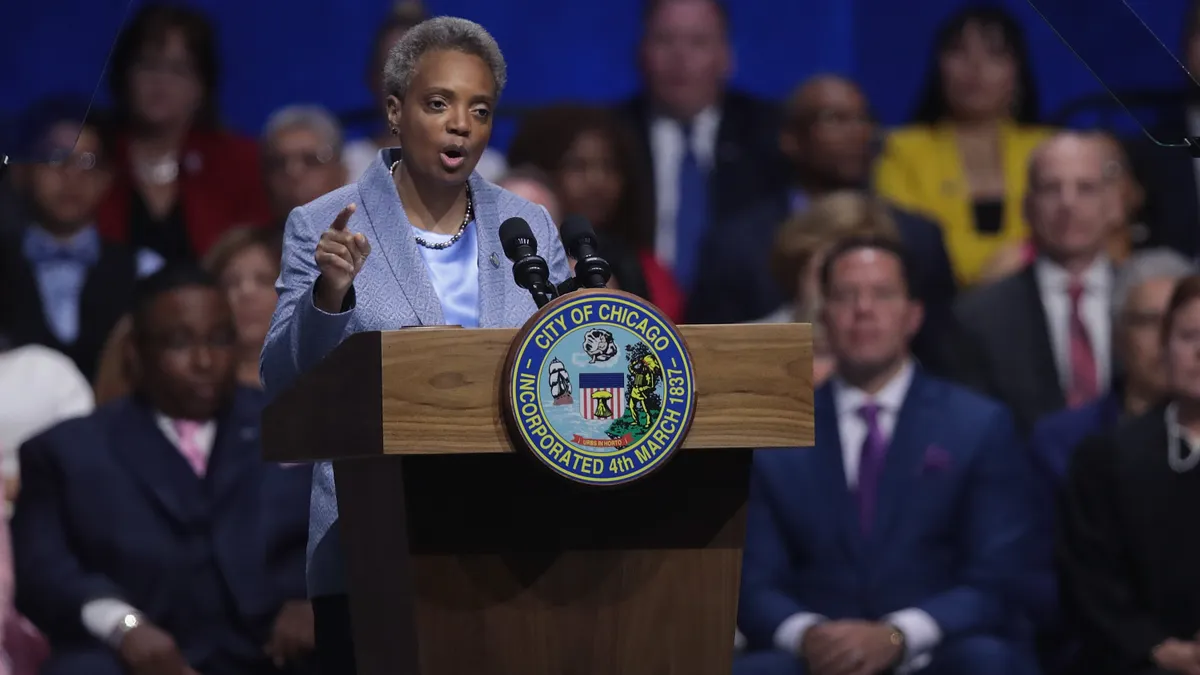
column 902, row 541
column 138, row 535
column 827, row 139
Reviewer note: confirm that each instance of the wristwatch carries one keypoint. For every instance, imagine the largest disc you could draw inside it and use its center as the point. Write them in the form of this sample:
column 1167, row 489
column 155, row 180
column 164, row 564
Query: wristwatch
column 128, row 622
column 898, row 640
column 897, row 637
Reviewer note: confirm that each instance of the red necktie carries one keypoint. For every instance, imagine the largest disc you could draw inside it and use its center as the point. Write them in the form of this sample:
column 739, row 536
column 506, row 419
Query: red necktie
column 1084, row 382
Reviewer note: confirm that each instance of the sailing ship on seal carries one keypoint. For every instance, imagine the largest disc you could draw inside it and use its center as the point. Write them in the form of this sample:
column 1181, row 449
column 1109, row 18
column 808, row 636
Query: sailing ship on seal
column 560, row 383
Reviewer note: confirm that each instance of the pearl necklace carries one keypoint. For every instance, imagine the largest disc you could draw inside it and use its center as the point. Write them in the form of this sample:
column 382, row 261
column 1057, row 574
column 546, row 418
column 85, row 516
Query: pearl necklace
column 467, row 218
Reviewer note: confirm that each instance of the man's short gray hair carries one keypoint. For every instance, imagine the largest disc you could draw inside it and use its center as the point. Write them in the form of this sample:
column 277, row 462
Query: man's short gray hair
column 443, row 33
column 1144, row 266
column 312, row 117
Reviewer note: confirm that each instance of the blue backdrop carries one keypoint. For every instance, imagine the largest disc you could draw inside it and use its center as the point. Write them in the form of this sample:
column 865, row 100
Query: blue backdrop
column 276, row 51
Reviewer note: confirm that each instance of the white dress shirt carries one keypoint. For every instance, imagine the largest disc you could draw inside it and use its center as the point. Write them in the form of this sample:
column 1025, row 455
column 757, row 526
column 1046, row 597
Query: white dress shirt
column 667, row 146
column 1094, row 308
column 102, row 616
column 921, row 632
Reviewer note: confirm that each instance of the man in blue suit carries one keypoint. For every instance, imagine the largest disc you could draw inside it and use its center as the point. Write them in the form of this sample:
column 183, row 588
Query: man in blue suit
column 138, row 536
column 903, row 540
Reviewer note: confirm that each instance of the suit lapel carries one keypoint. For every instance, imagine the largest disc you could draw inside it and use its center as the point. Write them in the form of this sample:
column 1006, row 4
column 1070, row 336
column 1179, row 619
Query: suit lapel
column 493, row 272
column 904, row 456
column 830, row 470
column 235, row 452
column 393, row 237
column 155, row 463
column 1041, row 353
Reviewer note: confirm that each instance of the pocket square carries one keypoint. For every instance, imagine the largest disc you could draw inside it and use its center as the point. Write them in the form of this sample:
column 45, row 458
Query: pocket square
column 936, row 459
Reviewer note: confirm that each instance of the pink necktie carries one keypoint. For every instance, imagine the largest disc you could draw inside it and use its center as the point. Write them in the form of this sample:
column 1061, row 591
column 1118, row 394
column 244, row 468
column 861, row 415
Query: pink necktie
column 189, row 447
column 1084, row 380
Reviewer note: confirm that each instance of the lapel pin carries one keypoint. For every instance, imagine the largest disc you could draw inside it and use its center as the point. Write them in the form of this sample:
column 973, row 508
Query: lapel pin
column 495, row 259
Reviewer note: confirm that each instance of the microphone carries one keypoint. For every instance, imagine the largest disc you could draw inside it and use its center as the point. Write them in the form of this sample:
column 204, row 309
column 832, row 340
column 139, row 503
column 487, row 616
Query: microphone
column 591, row 271
column 530, row 270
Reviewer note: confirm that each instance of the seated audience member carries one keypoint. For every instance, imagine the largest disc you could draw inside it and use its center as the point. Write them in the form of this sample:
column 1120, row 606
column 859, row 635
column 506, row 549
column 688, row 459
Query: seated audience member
column 1140, row 295
column 597, row 173
column 826, row 137
column 1170, row 176
column 64, row 287
column 137, row 534
column 179, row 180
column 1124, row 233
column 962, row 159
column 302, row 153
column 800, row 248
column 708, row 149
column 39, row 388
column 1039, row 339
column 246, row 265
column 903, row 540
column 1127, row 556
column 112, row 376
column 360, row 153
column 535, row 185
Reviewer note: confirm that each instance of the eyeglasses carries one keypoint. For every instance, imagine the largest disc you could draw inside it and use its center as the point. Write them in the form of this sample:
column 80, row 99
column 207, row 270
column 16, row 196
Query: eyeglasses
column 80, row 161
column 312, row 159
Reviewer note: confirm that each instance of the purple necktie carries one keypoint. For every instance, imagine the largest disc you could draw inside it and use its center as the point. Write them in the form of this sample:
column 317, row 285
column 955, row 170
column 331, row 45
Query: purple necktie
column 870, row 465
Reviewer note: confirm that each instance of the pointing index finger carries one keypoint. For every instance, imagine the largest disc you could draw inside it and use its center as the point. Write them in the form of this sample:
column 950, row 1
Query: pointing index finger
column 343, row 217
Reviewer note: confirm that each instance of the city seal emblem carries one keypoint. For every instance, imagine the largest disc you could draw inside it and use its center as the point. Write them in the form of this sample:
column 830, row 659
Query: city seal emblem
column 599, row 387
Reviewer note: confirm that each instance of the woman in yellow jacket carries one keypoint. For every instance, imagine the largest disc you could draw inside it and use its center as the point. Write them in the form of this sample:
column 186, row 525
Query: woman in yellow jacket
column 963, row 161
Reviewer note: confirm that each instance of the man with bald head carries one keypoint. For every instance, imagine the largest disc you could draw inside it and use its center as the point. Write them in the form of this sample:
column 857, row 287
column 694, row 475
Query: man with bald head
column 1040, row 339
column 827, row 139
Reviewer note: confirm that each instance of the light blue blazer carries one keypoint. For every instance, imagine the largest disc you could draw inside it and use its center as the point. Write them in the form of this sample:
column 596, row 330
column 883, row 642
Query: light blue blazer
column 393, row 290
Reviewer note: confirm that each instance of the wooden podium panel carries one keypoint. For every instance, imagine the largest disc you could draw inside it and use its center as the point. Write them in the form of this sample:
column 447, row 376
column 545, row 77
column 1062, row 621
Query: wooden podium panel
column 465, row 557
column 437, row 390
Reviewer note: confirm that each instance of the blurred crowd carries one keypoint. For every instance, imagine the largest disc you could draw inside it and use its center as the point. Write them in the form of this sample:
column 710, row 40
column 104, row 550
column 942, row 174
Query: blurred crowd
column 1006, row 323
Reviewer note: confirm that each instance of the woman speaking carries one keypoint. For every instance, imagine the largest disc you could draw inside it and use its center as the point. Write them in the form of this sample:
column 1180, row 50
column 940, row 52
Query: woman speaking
column 415, row 242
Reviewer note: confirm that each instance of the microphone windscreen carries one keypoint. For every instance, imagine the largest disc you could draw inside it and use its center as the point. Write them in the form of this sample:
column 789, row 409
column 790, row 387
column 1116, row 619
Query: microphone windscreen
column 515, row 232
column 575, row 228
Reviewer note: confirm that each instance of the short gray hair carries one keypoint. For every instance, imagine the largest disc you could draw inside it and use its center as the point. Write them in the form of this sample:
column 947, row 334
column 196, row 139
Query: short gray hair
column 1143, row 266
column 312, row 117
column 443, row 33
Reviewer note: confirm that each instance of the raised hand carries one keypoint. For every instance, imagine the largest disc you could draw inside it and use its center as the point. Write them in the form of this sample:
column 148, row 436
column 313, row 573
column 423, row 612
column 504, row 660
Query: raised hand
column 340, row 256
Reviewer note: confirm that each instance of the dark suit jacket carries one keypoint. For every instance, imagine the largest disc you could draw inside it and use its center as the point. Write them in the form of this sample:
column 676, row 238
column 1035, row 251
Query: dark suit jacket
column 748, row 162
column 953, row 538
column 1128, row 553
column 1056, row 436
column 108, row 507
column 736, row 283
column 106, row 296
column 1003, row 348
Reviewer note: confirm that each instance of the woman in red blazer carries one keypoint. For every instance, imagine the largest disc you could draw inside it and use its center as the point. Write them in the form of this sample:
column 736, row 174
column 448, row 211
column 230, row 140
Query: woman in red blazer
column 179, row 181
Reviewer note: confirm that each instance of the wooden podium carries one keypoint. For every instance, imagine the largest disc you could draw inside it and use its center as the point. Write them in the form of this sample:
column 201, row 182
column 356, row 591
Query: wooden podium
column 465, row 556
